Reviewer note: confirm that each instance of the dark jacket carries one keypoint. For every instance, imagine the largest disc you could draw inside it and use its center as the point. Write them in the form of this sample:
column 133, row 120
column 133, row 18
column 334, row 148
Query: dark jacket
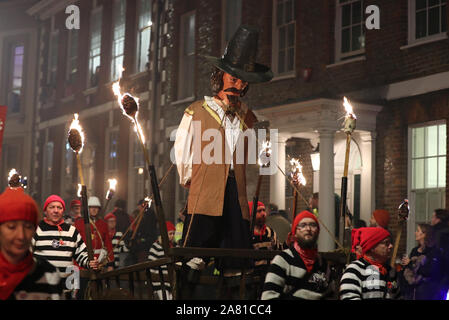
column 422, row 276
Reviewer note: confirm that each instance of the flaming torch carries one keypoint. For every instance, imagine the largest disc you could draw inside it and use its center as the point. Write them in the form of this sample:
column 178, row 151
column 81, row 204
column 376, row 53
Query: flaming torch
column 76, row 142
column 349, row 127
column 297, row 179
column 130, row 108
column 110, row 193
column 263, row 161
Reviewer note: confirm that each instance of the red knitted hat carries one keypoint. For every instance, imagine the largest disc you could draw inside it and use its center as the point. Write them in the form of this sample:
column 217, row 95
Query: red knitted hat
column 302, row 215
column 382, row 217
column 109, row 216
column 54, row 198
column 371, row 236
column 355, row 237
column 16, row 205
column 170, row 226
column 250, row 204
column 75, row 203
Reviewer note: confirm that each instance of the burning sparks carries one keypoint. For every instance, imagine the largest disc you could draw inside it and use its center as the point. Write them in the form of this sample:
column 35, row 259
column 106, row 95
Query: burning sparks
column 296, row 175
column 112, row 186
column 76, row 135
column 265, row 153
column 130, row 107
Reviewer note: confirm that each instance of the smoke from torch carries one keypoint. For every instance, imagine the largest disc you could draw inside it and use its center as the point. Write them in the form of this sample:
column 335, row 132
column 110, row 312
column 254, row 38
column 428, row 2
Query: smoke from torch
column 13, row 178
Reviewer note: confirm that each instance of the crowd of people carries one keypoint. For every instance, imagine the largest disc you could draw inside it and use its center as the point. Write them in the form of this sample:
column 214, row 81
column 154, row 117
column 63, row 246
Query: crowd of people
column 37, row 254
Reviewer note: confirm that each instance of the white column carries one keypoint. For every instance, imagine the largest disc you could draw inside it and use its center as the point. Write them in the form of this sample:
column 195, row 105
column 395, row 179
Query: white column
column 277, row 180
column 326, row 203
column 368, row 178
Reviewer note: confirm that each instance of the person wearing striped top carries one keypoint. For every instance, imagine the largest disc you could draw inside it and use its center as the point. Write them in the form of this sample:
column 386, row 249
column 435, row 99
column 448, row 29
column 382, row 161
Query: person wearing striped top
column 118, row 244
column 23, row 277
column 59, row 242
column 157, row 252
column 299, row 272
column 370, row 277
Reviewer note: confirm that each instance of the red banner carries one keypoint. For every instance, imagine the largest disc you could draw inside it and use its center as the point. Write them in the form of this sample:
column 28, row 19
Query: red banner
column 3, row 110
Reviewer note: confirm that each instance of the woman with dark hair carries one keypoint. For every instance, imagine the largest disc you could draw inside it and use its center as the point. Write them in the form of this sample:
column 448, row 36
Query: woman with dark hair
column 422, row 270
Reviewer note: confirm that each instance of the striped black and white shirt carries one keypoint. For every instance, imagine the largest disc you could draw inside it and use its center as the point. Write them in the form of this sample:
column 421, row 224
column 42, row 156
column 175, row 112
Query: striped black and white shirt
column 60, row 248
column 157, row 252
column 43, row 283
column 287, row 278
column 119, row 247
column 363, row 281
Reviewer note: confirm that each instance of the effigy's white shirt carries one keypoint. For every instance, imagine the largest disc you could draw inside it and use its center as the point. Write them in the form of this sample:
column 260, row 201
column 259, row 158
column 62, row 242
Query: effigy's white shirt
column 184, row 139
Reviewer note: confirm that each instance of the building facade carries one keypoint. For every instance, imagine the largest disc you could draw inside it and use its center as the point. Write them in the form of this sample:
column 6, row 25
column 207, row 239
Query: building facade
column 390, row 58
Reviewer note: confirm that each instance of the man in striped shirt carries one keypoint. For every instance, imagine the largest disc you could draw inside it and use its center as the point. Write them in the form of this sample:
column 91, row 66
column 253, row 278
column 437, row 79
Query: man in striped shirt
column 298, row 272
column 157, row 252
column 59, row 242
column 370, row 277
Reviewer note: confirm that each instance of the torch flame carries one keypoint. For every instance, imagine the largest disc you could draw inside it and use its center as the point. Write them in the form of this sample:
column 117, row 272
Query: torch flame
column 348, row 108
column 149, row 200
column 11, row 173
column 78, row 193
column 296, row 174
column 75, row 125
column 117, row 92
column 264, row 152
column 112, row 184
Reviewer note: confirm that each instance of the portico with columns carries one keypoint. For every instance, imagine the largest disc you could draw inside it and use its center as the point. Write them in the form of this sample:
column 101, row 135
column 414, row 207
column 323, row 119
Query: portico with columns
column 321, row 122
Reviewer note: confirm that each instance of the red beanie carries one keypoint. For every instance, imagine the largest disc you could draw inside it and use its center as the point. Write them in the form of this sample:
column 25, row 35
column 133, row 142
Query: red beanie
column 302, row 215
column 371, row 236
column 250, row 205
column 75, row 203
column 16, row 205
column 355, row 237
column 170, row 226
column 382, row 217
column 54, row 198
column 110, row 215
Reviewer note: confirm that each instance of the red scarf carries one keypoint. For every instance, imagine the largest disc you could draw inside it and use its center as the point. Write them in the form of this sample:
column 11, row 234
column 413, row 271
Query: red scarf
column 380, row 266
column 261, row 233
column 308, row 256
column 58, row 224
column 11, row 275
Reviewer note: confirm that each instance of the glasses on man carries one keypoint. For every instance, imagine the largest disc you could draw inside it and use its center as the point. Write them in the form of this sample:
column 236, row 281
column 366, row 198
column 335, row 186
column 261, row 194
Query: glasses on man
column 261, row 210
column 311, row 225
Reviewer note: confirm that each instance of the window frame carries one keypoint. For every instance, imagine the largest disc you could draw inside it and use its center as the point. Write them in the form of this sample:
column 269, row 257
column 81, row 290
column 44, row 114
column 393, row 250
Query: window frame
column 97, row 10
column 115, row 58
column 71, row 58
column 109, row 131
column 53, row 69
column 225, row 20
column 411, row 193
column 181, row 60
column 11, row 55
column 412, row 26
column 275, row 42
column 139, row 37
column 339, row 56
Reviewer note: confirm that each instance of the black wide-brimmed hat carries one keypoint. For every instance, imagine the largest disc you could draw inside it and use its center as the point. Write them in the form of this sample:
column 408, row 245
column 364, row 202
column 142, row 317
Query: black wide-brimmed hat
column 239, row 58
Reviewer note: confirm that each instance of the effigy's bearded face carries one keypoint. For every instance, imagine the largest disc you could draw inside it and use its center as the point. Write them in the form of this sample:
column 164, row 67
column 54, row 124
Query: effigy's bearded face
column 232, row 89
